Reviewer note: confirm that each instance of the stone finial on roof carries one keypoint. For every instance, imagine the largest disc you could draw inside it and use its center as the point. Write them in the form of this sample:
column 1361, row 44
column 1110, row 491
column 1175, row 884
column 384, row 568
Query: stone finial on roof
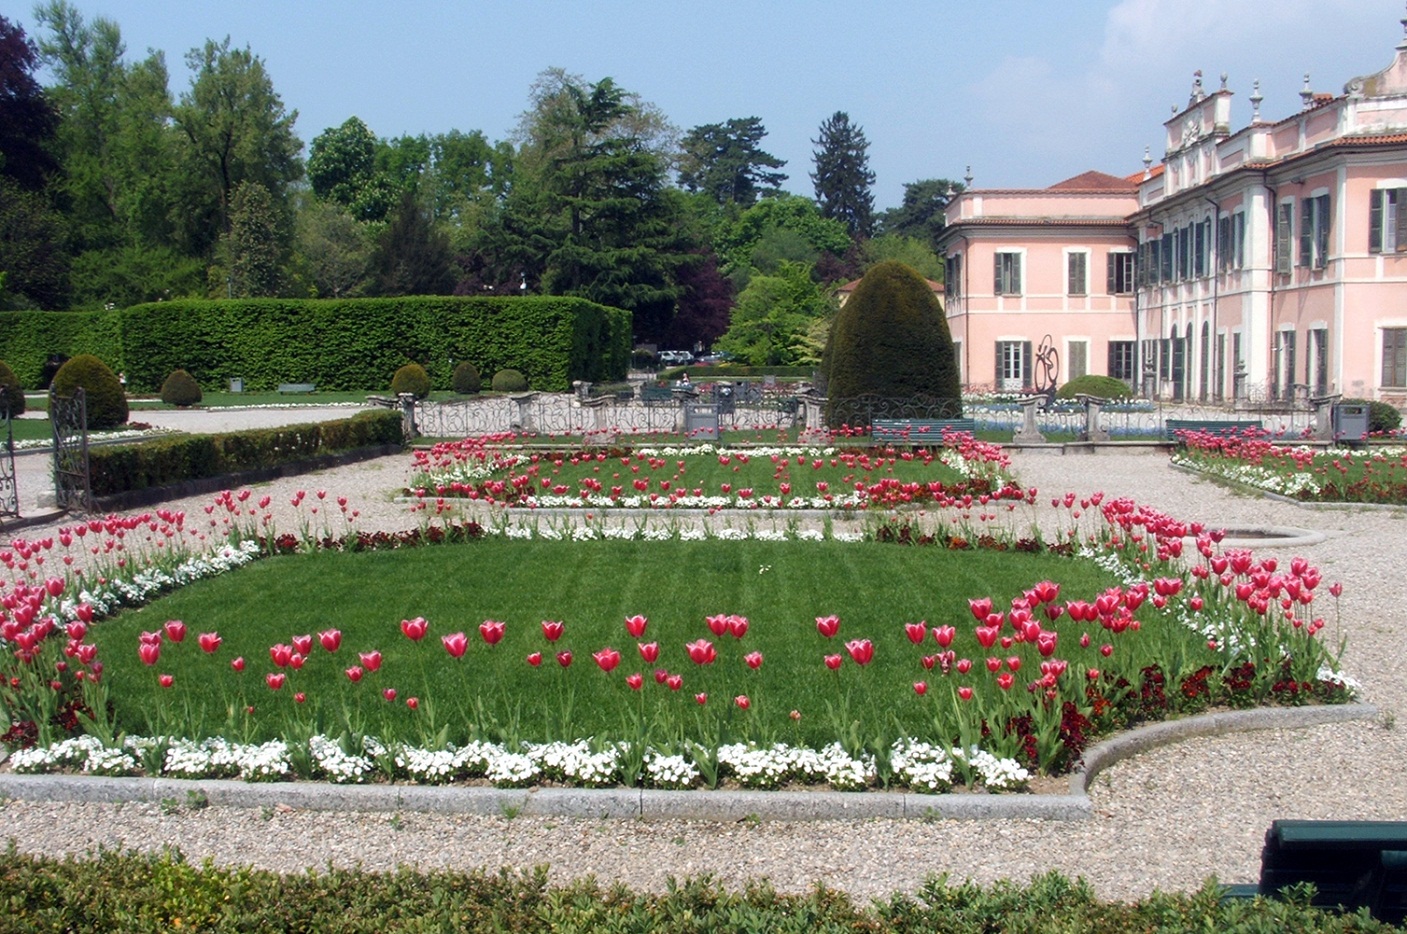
column 1306, row 94
column 967, row 179
column 1197, row 92
column 1402, row 46
column 1256, row 99
column 1224, row 76
column 1147, row 163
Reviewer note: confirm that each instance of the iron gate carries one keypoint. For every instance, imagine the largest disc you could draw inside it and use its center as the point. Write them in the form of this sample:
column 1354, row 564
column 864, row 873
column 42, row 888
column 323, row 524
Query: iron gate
column 73, row 489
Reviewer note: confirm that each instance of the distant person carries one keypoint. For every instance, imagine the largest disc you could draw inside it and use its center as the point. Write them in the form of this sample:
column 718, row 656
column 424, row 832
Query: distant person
column 684, row 382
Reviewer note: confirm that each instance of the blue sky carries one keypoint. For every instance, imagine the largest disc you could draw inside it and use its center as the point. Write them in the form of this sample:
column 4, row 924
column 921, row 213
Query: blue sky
column 1027, row 93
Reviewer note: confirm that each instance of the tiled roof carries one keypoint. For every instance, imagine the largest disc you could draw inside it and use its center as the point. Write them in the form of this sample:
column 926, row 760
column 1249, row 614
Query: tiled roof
column 1093, row 181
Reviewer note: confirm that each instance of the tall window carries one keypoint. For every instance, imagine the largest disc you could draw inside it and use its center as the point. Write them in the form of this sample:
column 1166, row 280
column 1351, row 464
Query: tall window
column 1120, row 273
column 1201, row 235
column 1184, row 253
column 1013, row 365
column 1077, row 273
column 1314, row 232
column 952, row 276
column 1387, row 215
column 1319, row 348
column 1282, row 379
column 1121, row 360
column 1008, row 274
column 1284, row 227
column 1165, row 265
column 1395, row 357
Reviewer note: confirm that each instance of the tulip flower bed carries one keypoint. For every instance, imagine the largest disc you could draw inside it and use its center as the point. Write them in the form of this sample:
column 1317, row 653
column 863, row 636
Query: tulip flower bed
column 1375, row 475
column 627, row 656
column 704, row 476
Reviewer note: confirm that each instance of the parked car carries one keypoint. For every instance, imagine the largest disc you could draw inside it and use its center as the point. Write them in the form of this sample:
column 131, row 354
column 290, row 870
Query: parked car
column 676, row 357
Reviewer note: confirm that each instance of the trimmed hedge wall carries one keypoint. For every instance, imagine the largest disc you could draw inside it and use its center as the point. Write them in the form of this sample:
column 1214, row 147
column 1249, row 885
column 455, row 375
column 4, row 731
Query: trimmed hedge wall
column 337, row 344
column 128, row 467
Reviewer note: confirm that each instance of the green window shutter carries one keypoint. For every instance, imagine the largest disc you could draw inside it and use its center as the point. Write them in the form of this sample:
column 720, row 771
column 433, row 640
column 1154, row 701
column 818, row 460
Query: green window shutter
column 1025, row 364
column 1375, row 220
column 1397, row 203
column 1111, row 274
column 1306, row 230
column 997, row 274
column 1321, row 231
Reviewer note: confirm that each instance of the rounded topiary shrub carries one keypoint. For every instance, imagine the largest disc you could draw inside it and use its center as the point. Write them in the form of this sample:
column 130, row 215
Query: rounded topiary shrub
column 14, row 395
column 509, row 381
column 1382, row 417
column 181, row 389
column 413, row 379
column 106, row 401
column 466, row 380
column 1102, row 387
column 891, row 339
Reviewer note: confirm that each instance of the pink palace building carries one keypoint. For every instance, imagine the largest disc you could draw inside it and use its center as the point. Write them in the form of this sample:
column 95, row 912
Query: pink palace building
column 1267, row 263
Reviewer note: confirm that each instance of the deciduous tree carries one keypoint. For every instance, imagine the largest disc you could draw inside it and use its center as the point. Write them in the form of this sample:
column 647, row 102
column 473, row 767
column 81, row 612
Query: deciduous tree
column 27, row 120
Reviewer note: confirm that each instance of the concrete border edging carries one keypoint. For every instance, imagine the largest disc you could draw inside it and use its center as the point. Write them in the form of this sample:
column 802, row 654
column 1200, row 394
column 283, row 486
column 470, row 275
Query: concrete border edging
column 655, row 804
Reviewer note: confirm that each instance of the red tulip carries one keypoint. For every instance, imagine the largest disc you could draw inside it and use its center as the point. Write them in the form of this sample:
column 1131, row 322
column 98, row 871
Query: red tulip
column 861, row 650
column 753, row 660
column 491, row 631
column 742, row 701
column 701, row 698
column 275, row 679
column 84, row 612
column 920, row 688
column 534, row 658
column 55, row 586
column 371, row 661
column 209, row 641
column 828, row 626
column 980, row 608
column 166, row 680
column 701, row 652
column 299, row 698
column 1336, row 588
column 928, row 661
column 1005, row 680
column 649, row 651
column 456, row 644
column 414, row 629
column 76, row 630
column 987, row 636
column 607, row 659
column 413, row 703
column 389, row 694
column 281, row 655
column 964, row 665
column 994, row 664
column 1045, row 643
column 916, row 632
column 965, row 693
column 737, row 626
column 552, row 629
column 1106, row 650
column 1084, row 640
column 718, row 625
column 303, row 645
column 175, row 630
column 564, row 659
column 635, row 626
column 354, row 674
column 238, row 664
column 675, row 682
column 944, row 635
column 149, row 652
column 635, row 681
column 833, row 662
column 331, row 639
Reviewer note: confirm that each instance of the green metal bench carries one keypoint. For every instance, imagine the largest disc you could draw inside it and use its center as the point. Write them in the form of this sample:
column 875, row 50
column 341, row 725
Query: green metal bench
column 1221, row 427
column 917, row 430
column 296, row 387
column 1352, row 864
column 656, row 394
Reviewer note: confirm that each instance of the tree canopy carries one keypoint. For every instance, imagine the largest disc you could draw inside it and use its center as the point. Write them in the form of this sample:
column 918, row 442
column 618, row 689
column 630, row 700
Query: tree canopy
column 724, row 161
column 842, row 177
column 27, row 121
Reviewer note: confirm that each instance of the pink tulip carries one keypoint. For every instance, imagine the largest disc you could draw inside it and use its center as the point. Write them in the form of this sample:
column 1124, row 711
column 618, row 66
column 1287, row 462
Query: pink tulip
column 175, row 630
column 828, row 626
column 987, row 636
column 833, row 662
column 296, row 660
column 76, row 630
column 861, row 650
column 303, row 645
column 389, row 694
column 718, row 625
column 166, row 680
column 564, row 659
column 413, row 703
column 607, row 659
column 371, row 661
column 84, row 612
column 552, row 630
column 920, row 688
column 964, row 665
column 635, row 681
column 701, row 698
column 238, row 664
column 491, row 631
column 753, row 660
column 737, row 626
column 649, row 651
column 275, row 679
column 354, row 674
column 455, row 644
column 55, row 586
column 916, row 632
column 742, row 701
column 701, row 652
column 1005, row 680
column 674, row 682
column 149, row 652
column 331, row 639
column 965, row 693
column 944, row 635
column 1045, row 643
column 980, row 608
column 415, row 629
column 209, row 641
column 635, row 626
column 281, row 655
column 534, row 658
column 1014, row 663
column 299, row 698
column 1106, row 650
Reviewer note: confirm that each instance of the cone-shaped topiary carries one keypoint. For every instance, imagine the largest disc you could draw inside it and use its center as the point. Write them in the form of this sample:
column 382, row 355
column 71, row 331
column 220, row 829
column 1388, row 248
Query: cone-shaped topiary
column 1092, row 384
column 509, row 381
column 891, row 339
column 14, row 395
column 106, row 401
column 413, row 379
column 181, row 389
column 465, row 380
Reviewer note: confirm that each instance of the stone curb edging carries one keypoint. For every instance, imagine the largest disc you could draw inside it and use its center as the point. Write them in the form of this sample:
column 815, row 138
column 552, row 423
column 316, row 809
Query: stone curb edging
column 651, row 804
column 1289, row 500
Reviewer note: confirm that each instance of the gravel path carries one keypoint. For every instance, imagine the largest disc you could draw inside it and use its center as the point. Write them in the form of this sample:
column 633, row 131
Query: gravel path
column 1165, row 819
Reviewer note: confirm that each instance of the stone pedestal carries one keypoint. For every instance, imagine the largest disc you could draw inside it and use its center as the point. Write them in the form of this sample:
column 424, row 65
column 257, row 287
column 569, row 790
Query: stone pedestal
column 1093, row 430
column 1030, row 433
column 408, row 426
column 1324, row 416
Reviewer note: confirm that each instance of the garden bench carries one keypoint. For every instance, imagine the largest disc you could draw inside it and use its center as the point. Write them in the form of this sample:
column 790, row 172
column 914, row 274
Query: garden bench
column 1214, row 426
column 1353, row 865
column 656, row 394
column 918, row 430
column 295, row 387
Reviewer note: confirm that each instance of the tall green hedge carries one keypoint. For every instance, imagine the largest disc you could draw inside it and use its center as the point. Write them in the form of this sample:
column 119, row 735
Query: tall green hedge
column 337, row 344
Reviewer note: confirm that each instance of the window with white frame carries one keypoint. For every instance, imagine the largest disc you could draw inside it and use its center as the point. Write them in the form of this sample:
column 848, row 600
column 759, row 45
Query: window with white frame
column 1077, row 272
column 1007, row 274
column 1013, row 365
column 1314, row 231
column 1120, row 273
column 1387, row 220
column 1394, row 357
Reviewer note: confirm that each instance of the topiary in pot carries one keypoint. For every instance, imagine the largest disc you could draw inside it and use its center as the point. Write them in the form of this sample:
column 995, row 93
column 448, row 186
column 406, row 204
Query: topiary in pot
column 509, row 381
column 181, row 389
column 14, row 394
column 106, row 401
column 1101, row 387
column 465, row 380
column 413, row 379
